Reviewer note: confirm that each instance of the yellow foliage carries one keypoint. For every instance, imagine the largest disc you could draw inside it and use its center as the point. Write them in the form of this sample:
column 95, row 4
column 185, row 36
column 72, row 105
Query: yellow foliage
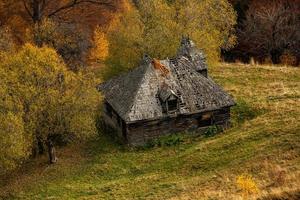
column 101, row 46
column 247, row 185
column 125, row 37
column 41, row 98
column 13, row 144
column 126, row 6
column 155, row 27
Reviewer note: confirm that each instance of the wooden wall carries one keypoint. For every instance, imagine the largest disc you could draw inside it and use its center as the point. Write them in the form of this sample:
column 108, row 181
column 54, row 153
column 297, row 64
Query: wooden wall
column 112, row 119
column 141, row 132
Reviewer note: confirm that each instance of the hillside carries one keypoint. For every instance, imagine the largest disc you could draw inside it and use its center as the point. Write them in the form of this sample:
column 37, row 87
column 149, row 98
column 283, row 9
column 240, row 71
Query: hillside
column 263, row 142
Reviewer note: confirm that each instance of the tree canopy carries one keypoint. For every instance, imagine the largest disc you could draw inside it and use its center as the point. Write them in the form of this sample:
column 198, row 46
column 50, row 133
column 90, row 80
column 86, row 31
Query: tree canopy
column 42, row 100
column 271, row 28
column 155, row 27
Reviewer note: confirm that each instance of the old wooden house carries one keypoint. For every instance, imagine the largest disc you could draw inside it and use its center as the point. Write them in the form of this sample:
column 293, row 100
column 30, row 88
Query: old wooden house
column 161, row 97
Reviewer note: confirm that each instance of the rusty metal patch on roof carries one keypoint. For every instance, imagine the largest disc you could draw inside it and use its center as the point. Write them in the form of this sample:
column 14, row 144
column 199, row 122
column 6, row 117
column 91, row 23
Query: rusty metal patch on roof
column 158, row 66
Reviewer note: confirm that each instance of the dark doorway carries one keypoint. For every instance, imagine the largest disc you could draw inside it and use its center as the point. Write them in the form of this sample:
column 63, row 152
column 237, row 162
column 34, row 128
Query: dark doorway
column 205, row 120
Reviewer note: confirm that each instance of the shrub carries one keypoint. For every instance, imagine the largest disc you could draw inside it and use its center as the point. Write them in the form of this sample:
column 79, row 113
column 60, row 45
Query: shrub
column 45, row 100
column 169, row 140
column 211, row 131
column 247, row 186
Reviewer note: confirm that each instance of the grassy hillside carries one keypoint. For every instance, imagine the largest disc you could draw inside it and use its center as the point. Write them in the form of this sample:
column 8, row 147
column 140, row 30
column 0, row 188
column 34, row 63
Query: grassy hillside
column 264, row 142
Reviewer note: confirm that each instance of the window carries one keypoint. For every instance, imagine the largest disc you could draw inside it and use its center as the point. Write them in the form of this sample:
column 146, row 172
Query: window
column 172, row 105
column 168, row 99
column 205, row 120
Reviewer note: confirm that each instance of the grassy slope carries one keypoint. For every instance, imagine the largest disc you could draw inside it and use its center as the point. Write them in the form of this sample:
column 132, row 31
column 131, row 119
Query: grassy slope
column 201, row 168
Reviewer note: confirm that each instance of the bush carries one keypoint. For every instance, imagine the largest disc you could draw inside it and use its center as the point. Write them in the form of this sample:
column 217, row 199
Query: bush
column 169, row 140
column 42, row 102
column 247, row 186
column 211, row 131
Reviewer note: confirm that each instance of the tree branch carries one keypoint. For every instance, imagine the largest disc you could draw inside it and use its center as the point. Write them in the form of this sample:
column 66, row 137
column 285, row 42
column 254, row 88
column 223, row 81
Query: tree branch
column 27, row 9
column 74, row 3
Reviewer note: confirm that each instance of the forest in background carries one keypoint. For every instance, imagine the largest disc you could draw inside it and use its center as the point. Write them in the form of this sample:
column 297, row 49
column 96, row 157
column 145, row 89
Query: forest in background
column 268, row 31
column 49, row 48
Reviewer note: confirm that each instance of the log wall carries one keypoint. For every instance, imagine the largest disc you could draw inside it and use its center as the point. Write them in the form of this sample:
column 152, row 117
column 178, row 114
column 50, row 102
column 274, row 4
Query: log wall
column 113, row 120
column 141, row 132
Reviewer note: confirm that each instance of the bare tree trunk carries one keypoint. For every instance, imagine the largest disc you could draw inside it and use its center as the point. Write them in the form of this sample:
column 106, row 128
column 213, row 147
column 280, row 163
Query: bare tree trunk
column 40, row 145
column 38, row 148
column 275, row 56
column 36, row 11
column 51, row 152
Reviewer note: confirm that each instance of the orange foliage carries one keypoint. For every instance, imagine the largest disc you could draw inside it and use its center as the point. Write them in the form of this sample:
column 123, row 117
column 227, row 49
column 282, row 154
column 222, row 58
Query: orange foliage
column 157, row 65
column 21, row 15
column 101, row 46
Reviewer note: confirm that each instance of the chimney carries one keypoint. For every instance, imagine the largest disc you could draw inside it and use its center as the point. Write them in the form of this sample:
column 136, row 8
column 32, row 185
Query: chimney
column 189, row 50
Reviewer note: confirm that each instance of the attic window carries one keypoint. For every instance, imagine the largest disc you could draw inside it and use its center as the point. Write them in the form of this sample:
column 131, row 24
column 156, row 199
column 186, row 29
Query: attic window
column 168, row 99
column 172, row 105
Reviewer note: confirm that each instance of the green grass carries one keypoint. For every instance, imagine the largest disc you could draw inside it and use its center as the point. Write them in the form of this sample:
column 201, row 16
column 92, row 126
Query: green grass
column 265, row 134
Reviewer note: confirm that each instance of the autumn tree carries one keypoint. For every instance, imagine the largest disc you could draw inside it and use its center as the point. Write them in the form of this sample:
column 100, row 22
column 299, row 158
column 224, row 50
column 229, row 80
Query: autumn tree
column 125, row 47
column 270, row 28
column 209, row 23
column 99, row 51
column 74, row 20
column 69, row 40
column 39, row 9
column 155, row 27
column 54, row 102
column 13, row 143
column 24, row 14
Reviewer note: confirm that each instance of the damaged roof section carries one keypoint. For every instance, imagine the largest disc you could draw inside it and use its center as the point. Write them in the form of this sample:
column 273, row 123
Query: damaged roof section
column 165, row 92
column 138, row 95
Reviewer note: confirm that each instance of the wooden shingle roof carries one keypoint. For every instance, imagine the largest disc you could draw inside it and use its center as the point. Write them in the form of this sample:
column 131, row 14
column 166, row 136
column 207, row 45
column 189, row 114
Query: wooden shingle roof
column 135, row 95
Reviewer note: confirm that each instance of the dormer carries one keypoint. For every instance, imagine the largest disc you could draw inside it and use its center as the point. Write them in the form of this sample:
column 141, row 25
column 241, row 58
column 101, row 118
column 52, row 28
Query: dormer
column 169, row 100
column 189, row 50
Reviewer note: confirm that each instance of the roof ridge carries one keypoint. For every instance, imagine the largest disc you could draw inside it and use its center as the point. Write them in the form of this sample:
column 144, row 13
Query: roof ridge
column 146, row 66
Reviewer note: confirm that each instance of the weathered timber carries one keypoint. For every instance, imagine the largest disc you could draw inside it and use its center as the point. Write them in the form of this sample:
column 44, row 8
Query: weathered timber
column 173, row 95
